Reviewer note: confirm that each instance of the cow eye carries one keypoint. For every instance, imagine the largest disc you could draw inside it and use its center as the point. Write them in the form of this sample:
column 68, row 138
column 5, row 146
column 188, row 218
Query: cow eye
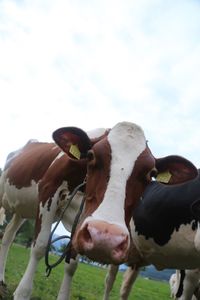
column 90, row 156
column 153, row 173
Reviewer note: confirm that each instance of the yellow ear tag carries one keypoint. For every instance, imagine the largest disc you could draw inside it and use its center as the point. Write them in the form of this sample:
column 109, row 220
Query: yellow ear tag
column 75, row 151
column 164, row 177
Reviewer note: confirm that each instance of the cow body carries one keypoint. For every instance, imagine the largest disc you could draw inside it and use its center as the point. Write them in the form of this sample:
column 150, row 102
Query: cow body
column 184, row 284
column 35, row 183
column 165, row 230
column 164, row 225
column 119, row 166
column 39, row 174
column 29, row 175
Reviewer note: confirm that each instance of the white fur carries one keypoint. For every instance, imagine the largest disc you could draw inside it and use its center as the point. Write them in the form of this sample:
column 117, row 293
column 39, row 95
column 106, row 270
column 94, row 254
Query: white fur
column 190, row 283
column 197, row 238
column 24, row 288
column 2, row 216
column 173, row 284
column 23, row 204
column 127, row 142
column 22, row 201
column 109, row 280
column 176, row 250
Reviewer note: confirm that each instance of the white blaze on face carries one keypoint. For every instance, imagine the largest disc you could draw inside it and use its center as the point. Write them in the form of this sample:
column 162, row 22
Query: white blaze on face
column 127, row 142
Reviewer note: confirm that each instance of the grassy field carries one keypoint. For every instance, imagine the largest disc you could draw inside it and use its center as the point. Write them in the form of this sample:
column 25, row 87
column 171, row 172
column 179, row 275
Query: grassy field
column 88, row 282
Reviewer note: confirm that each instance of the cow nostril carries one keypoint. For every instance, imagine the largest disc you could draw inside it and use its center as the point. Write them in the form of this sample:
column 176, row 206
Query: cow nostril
column 86, row 238
column 86, row 235
column 121, row 249
column 123, row 245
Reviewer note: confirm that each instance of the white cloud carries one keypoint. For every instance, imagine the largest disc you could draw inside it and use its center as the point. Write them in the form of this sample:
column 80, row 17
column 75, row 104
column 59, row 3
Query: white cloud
column 95, row 63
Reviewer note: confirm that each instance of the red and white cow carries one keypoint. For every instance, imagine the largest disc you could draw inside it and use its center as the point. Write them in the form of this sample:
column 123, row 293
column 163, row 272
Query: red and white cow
column 120, row 175
column 164, row 222
column 42, row 173
column 129, row 277
column 119, row 166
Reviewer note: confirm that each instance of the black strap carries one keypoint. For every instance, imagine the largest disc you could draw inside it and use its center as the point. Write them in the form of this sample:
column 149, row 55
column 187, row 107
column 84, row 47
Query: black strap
column 67, row 251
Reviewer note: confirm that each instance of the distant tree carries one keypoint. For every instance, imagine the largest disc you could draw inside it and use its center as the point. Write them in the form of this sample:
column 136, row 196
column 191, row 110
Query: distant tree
column 62, row 248
column 26, row 233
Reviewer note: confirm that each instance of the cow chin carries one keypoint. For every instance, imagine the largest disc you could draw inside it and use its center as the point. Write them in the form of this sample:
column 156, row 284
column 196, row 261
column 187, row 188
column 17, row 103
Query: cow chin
column 102, row 242
column 103, row 257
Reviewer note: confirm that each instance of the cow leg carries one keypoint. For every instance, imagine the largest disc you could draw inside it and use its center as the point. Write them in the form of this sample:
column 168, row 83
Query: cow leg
column 109, row 280
column 174, row 282
column 129, row 277
column 64, row 292
column 188, row 285
column 196, row 295
column 43, row 226
column 7, row 240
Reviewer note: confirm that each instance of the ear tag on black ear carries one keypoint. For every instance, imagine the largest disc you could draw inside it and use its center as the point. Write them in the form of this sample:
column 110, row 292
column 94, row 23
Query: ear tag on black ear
column 75, row 151
column 164, row 177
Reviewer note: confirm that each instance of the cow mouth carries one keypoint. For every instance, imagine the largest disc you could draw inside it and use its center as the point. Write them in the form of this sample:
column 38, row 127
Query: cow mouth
column 104, row 244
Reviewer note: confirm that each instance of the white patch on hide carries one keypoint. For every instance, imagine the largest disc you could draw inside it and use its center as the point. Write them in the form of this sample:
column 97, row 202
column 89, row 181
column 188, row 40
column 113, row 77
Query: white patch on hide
column 22, row 201
column 127, row 142
column 197, row 238
column 178, row 253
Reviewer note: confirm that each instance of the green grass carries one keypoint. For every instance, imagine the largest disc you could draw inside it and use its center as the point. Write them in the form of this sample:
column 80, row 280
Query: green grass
column 88, row 282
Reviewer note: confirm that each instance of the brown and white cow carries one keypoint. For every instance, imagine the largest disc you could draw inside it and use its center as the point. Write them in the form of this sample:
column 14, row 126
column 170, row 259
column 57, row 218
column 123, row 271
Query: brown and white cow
column 120, row 174
column 119, row 166
column 42, row 173
column 119, row 169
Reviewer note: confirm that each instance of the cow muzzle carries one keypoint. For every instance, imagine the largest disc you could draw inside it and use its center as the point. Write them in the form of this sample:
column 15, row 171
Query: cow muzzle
column 102, row 242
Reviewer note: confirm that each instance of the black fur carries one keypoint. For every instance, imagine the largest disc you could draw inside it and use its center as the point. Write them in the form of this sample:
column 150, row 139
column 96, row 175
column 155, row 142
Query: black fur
column 164, row 208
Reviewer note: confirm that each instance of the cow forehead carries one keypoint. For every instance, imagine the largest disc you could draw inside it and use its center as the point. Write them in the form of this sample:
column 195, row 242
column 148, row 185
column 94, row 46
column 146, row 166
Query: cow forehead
column 127, row 142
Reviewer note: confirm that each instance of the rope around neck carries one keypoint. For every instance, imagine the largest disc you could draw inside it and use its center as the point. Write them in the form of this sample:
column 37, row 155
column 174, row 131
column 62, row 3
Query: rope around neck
column 67, row 251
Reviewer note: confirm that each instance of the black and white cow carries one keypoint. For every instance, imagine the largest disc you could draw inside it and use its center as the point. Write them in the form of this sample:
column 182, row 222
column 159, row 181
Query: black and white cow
column 185, row 284
column 165, row 227
column 165, row 230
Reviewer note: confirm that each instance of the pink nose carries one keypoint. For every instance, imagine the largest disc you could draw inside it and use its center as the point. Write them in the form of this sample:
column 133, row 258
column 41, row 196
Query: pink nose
column 103, row 242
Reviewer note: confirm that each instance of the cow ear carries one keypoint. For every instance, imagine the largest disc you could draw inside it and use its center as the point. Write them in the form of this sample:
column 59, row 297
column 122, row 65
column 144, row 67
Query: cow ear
column 73, row 141
column 175, row 169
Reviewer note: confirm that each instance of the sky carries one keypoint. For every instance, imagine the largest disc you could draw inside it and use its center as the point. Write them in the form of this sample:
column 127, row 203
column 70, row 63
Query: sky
column 95, row 63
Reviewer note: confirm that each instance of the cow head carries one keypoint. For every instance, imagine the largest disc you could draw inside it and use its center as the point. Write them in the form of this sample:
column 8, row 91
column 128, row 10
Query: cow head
column 119, row 167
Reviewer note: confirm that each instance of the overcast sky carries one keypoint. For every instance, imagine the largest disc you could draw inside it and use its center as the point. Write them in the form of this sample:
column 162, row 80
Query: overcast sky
column 95, row 63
